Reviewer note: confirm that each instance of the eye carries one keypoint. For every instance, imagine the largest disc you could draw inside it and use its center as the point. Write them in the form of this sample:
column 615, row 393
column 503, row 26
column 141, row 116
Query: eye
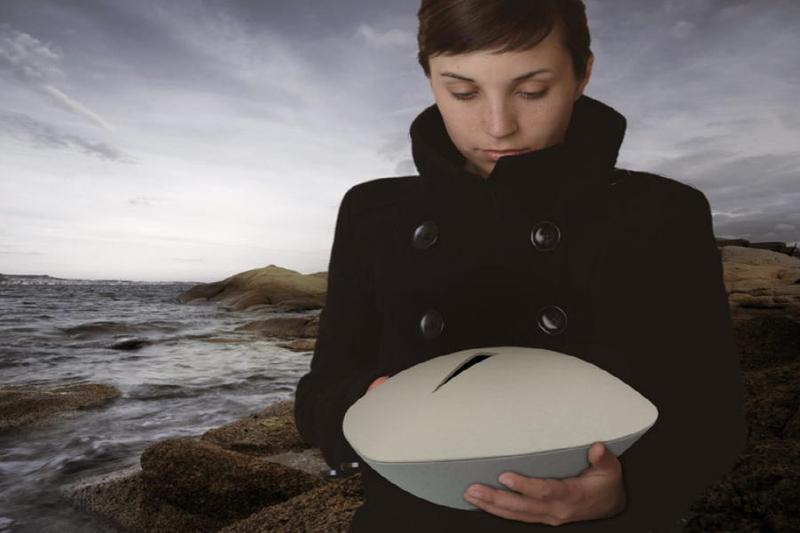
column 528, row 96
column 534, row 96
column 463, row 96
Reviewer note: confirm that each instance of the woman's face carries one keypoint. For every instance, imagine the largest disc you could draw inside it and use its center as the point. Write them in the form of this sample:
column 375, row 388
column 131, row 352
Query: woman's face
column 485, row 108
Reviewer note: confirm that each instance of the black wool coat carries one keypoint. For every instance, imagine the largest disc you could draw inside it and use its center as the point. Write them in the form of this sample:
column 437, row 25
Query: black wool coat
column 557, row 249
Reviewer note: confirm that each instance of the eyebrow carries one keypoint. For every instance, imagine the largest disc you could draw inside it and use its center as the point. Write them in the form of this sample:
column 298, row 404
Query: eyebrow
column 518, row 78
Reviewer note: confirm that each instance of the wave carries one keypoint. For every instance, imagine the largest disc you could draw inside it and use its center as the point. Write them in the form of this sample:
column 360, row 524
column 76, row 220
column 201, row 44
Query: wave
column 104, row 328
column 166, row 391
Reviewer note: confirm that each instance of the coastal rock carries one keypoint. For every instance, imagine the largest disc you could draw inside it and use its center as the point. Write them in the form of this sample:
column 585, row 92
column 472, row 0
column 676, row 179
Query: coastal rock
column 759, row 495
column 773, row 401
column 329, row 507
column 128, row 500
column 760, row 281
column 203, row 478
column 775, row 246
column 28, row 404
column 284, row 327
column 267, row 432
column 767, row 340
column 100, row 328
column 271, row 285
column 297, row 305
column 300, row 345
column 284, row 408
column 122, row 498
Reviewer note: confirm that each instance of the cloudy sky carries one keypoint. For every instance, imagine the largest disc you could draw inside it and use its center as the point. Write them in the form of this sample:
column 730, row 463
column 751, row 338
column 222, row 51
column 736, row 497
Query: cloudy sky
column 191, row 139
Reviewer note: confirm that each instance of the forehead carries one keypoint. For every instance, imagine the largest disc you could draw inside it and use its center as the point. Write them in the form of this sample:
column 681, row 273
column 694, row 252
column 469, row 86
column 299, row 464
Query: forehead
column 550, row 53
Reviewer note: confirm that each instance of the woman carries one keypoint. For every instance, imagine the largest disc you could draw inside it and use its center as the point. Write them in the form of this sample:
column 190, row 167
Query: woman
column 548, row 246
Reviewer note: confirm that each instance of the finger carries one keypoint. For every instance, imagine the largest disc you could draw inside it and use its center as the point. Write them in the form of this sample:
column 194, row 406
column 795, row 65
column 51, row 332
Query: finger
column 499, row 505
column 508, row 501
column 543, row 489
column 599, row 453
column 603, row 461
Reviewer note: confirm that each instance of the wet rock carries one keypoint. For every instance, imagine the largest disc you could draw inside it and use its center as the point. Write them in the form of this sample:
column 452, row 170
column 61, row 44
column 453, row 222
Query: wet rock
column 100, row 328
column 300, row 345
column 203, row 478
column 299, row 305
column 309, row 460
column 329, row 507
column 284, row 327
column 123, row 498
column 267, row 432
column 28, row 404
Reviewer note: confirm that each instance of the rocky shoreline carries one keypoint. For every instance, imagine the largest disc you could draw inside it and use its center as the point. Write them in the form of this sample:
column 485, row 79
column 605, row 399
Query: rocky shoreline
column 256, row 474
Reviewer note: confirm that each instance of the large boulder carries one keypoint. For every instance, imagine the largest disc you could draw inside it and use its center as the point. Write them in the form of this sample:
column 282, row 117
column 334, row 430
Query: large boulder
column 123, row 499
column 759, row 281
column 274, row 286
column 203, row 478
column 329, row 507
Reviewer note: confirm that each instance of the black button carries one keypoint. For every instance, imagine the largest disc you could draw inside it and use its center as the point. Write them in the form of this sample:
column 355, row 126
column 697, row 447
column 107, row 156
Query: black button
column 431, row 324
column 552, row 319
column 545, row 236
column 425, row 235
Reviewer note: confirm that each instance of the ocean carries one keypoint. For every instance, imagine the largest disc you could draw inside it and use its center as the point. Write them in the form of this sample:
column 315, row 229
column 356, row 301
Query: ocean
column 192, row 372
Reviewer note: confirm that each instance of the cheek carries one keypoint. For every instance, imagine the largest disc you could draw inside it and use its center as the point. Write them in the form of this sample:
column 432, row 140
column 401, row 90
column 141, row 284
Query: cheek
column 549, row 119
column 458, row 124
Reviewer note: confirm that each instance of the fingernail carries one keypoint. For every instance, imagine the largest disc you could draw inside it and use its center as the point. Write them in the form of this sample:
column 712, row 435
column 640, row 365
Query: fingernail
column 507, row 481
column 475, row 493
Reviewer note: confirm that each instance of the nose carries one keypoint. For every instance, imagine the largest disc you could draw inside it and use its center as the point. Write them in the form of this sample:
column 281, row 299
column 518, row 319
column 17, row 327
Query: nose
column 500, row 120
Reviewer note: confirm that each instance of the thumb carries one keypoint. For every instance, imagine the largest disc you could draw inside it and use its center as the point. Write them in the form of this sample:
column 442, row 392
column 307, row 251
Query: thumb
column 598, row 453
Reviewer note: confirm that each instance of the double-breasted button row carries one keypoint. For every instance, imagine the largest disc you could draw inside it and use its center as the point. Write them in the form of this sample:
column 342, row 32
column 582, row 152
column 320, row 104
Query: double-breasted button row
column 545, row 235
column 551, row 319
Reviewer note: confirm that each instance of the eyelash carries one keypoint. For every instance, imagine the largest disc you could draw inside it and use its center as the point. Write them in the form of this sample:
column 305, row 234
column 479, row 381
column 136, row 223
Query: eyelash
column 529, row 96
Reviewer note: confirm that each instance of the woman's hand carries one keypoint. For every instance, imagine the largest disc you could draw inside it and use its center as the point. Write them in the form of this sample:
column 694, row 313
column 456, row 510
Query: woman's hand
column 598, row 492
column 377, row 382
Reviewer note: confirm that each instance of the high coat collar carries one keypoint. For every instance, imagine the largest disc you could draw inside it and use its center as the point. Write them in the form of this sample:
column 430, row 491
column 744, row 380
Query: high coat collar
column 588, row 153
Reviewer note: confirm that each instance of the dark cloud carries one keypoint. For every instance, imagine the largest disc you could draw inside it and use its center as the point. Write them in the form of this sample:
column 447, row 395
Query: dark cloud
column 37, row 65
column 41, row 135
column 26, row 57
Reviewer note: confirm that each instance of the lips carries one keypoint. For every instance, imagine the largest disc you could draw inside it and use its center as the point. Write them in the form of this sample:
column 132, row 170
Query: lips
column 497, row 154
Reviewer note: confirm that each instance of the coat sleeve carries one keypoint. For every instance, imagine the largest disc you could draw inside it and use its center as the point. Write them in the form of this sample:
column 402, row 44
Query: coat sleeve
column 690, row 370
column 343, row 363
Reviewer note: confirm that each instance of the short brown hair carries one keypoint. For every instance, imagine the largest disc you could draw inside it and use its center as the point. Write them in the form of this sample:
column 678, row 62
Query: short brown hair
column 459, row 26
